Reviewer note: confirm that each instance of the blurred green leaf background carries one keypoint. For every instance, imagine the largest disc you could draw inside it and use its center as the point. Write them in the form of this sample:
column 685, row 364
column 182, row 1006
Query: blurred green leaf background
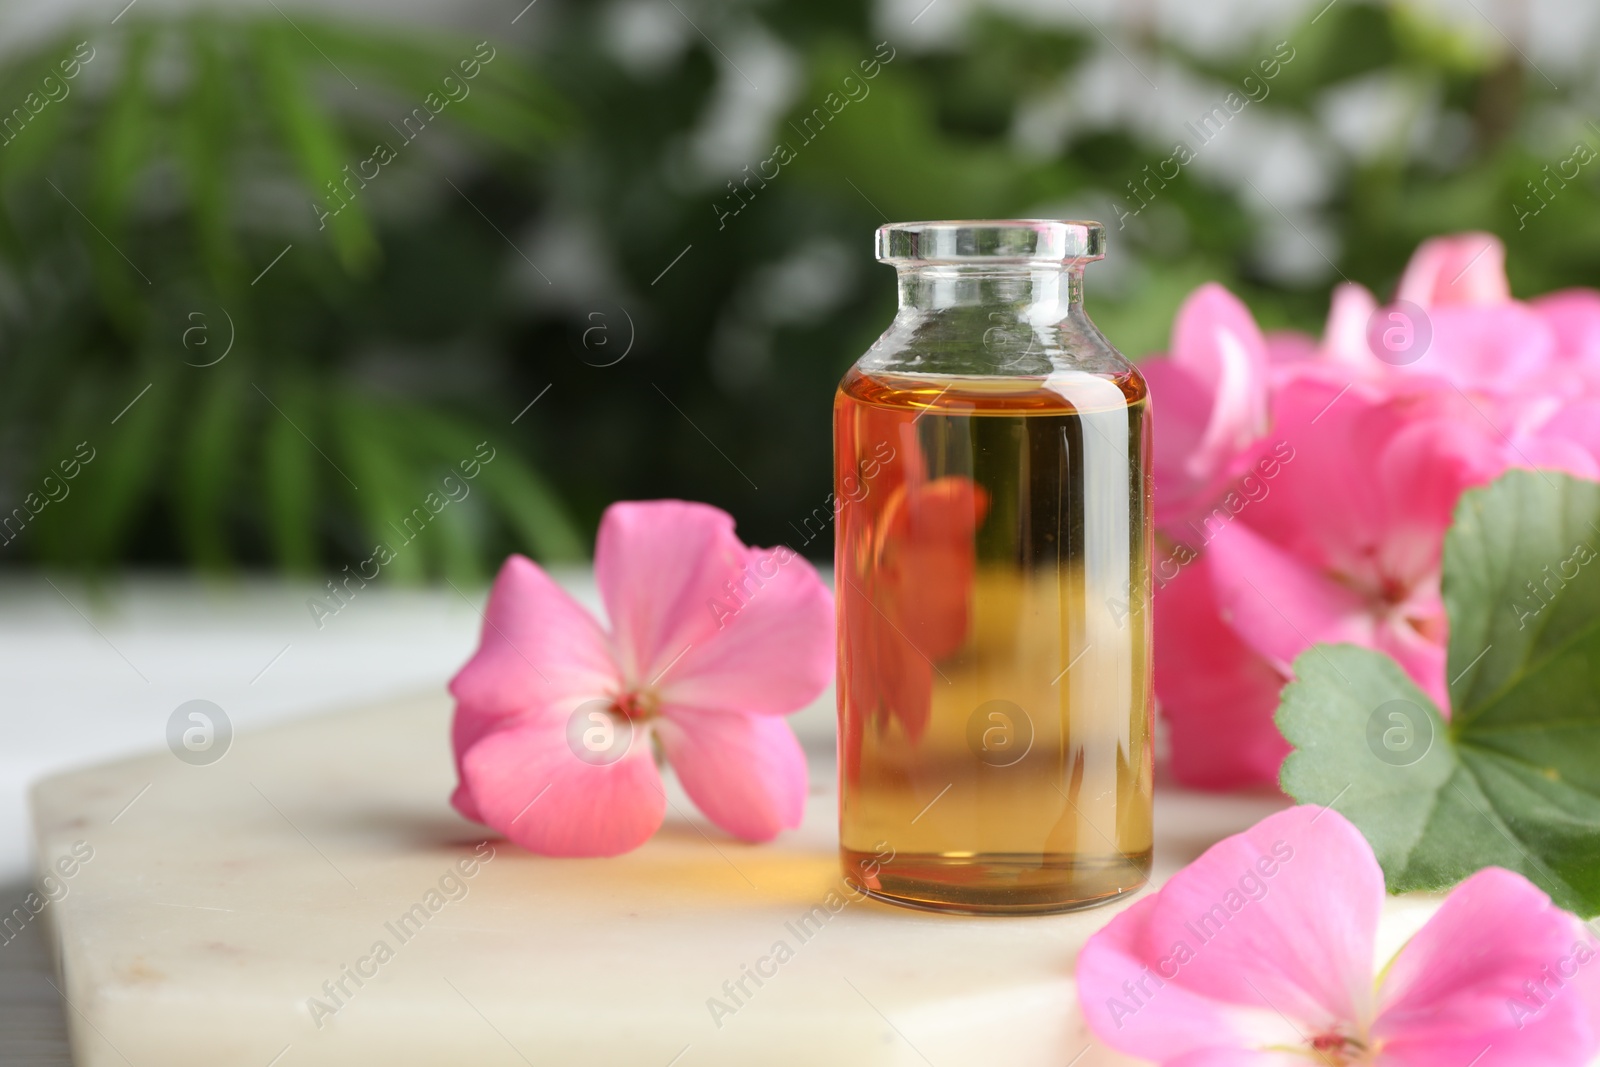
column 284, row 271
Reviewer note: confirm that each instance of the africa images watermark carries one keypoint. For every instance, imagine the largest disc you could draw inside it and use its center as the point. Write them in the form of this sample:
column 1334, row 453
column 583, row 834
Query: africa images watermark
column 1542, row 194
column 451, row 888
column 52, row 90
column 452, row 490
column 54, row 490
column 1552, row 583
column 1539, row 992
column 754, row 579
column 1205, row 130
column 737, row 991
column 756, row 575
column 53, row 889
column 1250, row 887
column 1252, row 488
column 853, row 489
column 853, row 90
column 454, row 90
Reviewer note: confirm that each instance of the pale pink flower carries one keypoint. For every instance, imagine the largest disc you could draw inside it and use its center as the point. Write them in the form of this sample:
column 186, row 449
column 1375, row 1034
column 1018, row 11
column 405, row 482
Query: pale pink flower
column 1573, row 317
column 1461, row 268
column 1342, row 354
column 1531, row 371
column 1212, row 393
column 1324, row 521
column 560, row 721
column 1571, row 418
column 1469, row 336
column 1263, row 953
column 1341, row 544
column 1217, row 694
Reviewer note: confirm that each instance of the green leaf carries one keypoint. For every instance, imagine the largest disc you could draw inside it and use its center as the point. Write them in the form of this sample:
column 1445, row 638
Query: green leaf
column 527, row 501
column 28, row 137
column 290, row 465
column 208, row 468
column 314, row 140
column 131, row 457
column 389, row 495
column 126, row 137
column 124, row 142
column 206, row 145
column 535, row 510
column 1513, row 779
column 480, row 86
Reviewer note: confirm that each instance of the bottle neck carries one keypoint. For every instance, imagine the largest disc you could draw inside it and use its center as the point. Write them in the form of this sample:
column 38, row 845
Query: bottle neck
column 1035, row 293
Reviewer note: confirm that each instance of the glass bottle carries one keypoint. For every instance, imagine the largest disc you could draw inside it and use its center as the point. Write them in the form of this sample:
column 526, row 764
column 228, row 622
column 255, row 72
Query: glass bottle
column 993, row 501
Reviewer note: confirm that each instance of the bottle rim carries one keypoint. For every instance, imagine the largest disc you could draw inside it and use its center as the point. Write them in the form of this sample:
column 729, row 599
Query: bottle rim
column 983, row 241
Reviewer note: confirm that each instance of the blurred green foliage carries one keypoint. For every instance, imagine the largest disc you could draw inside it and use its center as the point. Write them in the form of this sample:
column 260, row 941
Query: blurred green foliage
column 566, row 213
column 203, row 282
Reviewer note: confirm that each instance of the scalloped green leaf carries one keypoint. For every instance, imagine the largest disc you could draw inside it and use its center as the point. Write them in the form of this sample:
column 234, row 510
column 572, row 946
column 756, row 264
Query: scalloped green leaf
column 1513, row 779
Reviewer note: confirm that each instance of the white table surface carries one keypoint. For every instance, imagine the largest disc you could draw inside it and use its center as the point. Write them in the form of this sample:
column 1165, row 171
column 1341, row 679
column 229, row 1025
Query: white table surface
column 217, row 899
column 90, row 675
column 94, row 676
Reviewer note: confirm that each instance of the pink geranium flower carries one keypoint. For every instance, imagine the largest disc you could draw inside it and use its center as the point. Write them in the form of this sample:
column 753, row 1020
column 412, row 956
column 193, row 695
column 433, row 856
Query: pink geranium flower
column 560, row 722
column 1346, row 547
column 1263, row 953
column 1323, row 519
column 1212, row 392
column 1463, row 331
column 1343, row 544
column 1460, row 268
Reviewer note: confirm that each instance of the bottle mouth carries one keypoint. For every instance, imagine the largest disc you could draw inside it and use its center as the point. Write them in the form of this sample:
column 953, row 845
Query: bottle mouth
column 991, row 241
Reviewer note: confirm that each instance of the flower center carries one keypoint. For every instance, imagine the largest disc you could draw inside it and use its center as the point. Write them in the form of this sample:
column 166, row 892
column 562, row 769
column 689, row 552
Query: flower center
column 1338, row 1050
column 1392, row 591
column 637, row 706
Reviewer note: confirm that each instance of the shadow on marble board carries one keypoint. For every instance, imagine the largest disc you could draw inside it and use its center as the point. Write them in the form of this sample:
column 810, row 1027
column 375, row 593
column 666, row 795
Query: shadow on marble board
column 33, row 1030
column 404, row 828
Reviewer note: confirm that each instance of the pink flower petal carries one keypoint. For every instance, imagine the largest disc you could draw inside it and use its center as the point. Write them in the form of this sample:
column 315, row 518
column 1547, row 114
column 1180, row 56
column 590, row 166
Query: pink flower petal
column 1344, row 337
column 529, row 784
column 1230, row 1057
column 746, row 772
column 1573, row 317
column 1182, row 403
column 1277, row 603
column 1268, row 936
column 1422, row 471
column 1280, row 607
column 1465, row 268
column 1362, row 493
column 1556, row 454
column 538, row 645
column 662, row 567
column 1216, row 695
column 1346, row 545
column 468, row 726
column 1323, row 504
column 1211, row 393
column 1290, row 348
column 1573, row 429
column 539, row 649
column 1130, row 1007
column 1216, row 339
column 1423, row 467
column 1459, row 991
column 707, row 632
column 1497, row 348
column 773, row 649
column 1422, row 657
